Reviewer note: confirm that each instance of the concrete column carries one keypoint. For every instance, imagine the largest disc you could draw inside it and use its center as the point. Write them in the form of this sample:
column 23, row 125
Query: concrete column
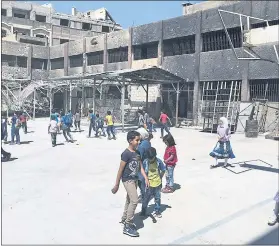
column 84, row 57
column 177, row 104
column 32, row 15
column 10, row 12
column 29, row 60
column 105, row 52
column 66, row 59
column 130, row 48
column 198, row 49
column 123, row 105
column 160, row 46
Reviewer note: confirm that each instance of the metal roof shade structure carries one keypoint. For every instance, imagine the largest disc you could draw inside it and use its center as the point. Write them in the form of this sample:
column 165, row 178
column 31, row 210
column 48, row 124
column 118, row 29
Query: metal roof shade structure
column 143, row 76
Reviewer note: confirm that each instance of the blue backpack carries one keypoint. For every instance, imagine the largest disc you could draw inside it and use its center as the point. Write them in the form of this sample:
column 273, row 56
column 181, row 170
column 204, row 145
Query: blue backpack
column 68, row 120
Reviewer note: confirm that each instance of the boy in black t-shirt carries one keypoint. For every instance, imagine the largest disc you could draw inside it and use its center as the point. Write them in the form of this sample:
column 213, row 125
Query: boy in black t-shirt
column 128, row 171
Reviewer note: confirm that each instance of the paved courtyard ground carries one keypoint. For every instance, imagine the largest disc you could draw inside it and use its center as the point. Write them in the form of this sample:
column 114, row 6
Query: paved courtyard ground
column 62, row 195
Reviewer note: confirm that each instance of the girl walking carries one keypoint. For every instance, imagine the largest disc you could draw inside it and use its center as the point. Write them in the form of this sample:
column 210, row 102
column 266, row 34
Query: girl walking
column 223, row 149
column 170, row 159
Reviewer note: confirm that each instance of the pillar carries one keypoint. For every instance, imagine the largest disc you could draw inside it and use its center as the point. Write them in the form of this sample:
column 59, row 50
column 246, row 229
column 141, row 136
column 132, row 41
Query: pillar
column 94, row 95
column 34, row 104
column 123, row 105
column 29, row 62
column 198, row 49
column 160, row 46
column 66, row 59
column 130, row 48
column 105, row 53
column 177, row 104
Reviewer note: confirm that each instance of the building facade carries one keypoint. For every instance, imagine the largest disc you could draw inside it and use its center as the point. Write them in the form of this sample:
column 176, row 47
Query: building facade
column 193, row 46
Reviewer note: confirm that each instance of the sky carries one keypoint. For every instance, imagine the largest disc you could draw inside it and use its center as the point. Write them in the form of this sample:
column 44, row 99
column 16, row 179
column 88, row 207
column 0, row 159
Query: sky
column 125, row 13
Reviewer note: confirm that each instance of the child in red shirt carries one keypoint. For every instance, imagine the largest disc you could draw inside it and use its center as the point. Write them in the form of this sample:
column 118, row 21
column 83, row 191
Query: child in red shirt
column 170, row 159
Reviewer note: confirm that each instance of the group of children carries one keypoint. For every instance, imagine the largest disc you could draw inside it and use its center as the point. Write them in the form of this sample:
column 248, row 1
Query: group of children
column 141, row 167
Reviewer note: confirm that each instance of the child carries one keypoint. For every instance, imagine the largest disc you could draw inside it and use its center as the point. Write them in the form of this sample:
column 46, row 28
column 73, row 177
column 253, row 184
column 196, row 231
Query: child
column 223, row 148
column 77, row 119
column 66, row 127
column 99, row 125
column 128, row 171
column 16, row 124
column 155, row 170
column 164, row 120
column 92, row 119
column 275, row 217
column 110, row 125
column 53, row 129
column 170, row 159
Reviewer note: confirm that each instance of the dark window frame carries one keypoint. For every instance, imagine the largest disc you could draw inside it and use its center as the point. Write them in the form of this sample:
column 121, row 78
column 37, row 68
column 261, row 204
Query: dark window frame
column 179, row 46
column 64, row 20
column 105, row 29
column 15, row 61
column 38, row 63
column 118, row 55
column 3, row 12
column 57, row 62
column 63, row 41
column 84, row 24
column 95, row 58
column 41, row 18
column 145, row 51
column 76, row 61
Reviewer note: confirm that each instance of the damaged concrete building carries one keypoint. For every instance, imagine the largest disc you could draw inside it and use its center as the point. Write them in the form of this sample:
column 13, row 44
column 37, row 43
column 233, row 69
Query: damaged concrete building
column 204, row 47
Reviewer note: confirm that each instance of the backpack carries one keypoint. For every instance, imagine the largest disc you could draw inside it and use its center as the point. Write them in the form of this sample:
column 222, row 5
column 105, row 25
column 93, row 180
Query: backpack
column 68, row 120
column 100, row 122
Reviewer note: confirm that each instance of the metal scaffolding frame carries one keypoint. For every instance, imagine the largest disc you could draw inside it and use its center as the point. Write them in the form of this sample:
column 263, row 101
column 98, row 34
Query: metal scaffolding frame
column 143, row 77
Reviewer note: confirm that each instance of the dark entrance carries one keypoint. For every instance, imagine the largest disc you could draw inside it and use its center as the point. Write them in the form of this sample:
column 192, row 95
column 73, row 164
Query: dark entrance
column 58, row 100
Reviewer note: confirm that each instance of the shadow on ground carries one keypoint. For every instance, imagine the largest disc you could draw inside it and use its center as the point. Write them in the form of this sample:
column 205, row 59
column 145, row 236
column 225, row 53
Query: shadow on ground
column 22, row 142
column 270, row 238
column 262, row 168
column 11, row 159
column 139, row 219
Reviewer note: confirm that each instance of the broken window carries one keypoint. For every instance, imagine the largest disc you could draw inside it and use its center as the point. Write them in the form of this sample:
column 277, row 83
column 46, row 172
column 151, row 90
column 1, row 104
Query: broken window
column 105, row 28
column 22, row 31
column 62, row 41
column 179, row 46
column 40, row 18
column 21, row 61
column 264, row 89
column 40, row 35
column 57, row 63
column 3, row 12
column 64, row 22
column 95, row 58
column 218, row 40
column 29, row 41
column 8, row 60
column 3, row 33
column 86, row 26
column 76, row 61
column 263, row 24
column 146, row 51
column 37, row 63
column 118, row 55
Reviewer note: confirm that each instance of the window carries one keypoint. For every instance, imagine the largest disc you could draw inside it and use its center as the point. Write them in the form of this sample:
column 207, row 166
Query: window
column 22, row 31
column 146, row 51
column 76, row 61
column 3, row 33
column 21, row 61
column 40, row 36
column 95, row 58
column 64, row 22
column 8, row 60
column 40, row 18
column 263, row 24
column 218, row 40
column 39, row 63
column 179, row 46
column 118, row 55
column 62, row 41
column 86, row 26
column 19, row 15
column 114, row 93
column 105, row 28
column 29, row 41
column 57, row 63
column 3, row 12
column 264, row 89
column 14, row 61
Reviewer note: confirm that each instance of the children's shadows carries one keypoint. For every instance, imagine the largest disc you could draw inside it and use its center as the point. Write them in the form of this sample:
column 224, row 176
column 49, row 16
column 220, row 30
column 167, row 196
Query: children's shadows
column 31, row 132
column 176, row 187
column 138, row 220
column 77, row 131
column 60, row 144
column 11, row 159
column 22, row 142
column 221, row 164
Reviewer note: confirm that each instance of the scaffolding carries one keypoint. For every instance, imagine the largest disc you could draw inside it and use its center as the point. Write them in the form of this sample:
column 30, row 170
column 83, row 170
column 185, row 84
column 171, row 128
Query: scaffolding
column 219, row 99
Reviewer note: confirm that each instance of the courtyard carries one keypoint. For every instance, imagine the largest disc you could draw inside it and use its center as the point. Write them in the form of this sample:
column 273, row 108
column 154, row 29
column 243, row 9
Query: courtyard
column 62, row 195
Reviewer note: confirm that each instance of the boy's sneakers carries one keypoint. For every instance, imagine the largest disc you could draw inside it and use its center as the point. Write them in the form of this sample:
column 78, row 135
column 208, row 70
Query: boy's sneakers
column 132, row 224
column 130, row 230
column 273, row 220
column 167, row 189
column 158, row 214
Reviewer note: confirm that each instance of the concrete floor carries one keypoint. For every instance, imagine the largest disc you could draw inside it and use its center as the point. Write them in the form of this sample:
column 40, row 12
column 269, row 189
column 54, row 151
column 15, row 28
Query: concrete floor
column 62, row 195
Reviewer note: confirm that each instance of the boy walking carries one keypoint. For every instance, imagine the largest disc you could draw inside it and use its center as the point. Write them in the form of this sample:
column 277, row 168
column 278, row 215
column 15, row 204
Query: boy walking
column 77, row 119
column 155, row 170
column 110, row 125
column 128, row 171
column 53, row 129
column 99, row 126
column 16, row 124
column 92, row 119
column 66, row 127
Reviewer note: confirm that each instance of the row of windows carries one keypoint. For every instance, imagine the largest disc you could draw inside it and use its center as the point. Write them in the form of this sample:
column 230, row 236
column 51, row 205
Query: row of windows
column 14, row 61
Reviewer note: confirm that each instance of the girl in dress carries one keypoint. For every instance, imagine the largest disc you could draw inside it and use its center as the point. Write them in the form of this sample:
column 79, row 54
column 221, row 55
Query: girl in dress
column 223, row 148
column 275, row 217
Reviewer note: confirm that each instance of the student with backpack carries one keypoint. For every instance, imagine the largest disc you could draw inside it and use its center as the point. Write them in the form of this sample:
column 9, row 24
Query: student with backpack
column 66, row 127
column 99, row 125
column 92, row 119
